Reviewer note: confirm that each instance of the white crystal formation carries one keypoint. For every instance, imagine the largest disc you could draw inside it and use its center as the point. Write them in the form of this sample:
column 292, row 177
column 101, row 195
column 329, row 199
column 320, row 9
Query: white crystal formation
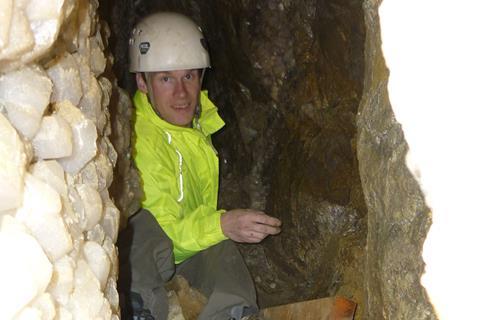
column 57, row 221
column 45, row 17
column 90, row 208
column 61, row 285
column 28, row 29
column 54, row 138
column 40, row 212
column 112, row 253
column 17, row 34
column 12, row 169
column 25, row 94
column 63, row 314
column 98, row 261
column 84, row 137
column 65, row 75
column 52, row 174
column 97, row 234
column 89, row 175
column 111, row 220
column 91, row 103
column 104, row 170
column 45, row 306
column 87, row 300
column 6, row 9
column 111, row 294
column 107, row 88
column 20, row 285
column 97, row 58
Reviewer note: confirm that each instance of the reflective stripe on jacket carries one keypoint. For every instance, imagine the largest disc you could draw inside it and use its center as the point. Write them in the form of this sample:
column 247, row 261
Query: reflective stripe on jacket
column 179, row 173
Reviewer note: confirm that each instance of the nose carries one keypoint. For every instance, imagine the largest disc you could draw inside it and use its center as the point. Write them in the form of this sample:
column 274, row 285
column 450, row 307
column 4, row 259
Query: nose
column 180, row 89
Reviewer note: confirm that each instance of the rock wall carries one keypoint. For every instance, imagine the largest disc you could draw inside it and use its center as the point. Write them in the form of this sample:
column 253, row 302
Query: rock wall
column 398, row 219
column 58, row 223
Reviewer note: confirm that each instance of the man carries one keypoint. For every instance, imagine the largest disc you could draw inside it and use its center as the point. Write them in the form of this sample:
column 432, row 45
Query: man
column 179, row 229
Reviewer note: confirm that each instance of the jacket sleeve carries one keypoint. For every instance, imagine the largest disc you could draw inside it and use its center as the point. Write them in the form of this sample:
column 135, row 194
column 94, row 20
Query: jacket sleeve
column 190, row 232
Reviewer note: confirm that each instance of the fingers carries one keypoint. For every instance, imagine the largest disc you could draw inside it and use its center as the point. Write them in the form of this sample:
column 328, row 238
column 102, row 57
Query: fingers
column 265, row 229
column 257, row 231
column 261, row 217
column 262, row 223
column 250, row 226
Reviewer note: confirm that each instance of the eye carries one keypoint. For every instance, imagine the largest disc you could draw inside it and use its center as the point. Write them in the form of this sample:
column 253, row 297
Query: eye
column 189, row 76
column 165, row 79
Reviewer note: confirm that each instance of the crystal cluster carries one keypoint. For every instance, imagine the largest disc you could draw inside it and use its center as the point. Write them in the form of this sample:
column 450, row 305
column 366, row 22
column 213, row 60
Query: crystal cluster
column 58, row 223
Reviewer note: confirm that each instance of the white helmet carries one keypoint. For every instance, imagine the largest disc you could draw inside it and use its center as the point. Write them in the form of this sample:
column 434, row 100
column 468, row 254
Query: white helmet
column 167, row 41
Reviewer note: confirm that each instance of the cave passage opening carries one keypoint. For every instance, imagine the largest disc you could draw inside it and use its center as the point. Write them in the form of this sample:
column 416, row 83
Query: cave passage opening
column 288, row 78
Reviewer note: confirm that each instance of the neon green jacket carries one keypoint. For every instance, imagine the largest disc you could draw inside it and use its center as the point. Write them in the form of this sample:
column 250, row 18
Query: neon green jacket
column 179, row 172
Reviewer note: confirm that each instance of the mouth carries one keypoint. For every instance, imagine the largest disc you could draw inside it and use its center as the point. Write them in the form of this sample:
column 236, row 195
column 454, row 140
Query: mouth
column 181, row 106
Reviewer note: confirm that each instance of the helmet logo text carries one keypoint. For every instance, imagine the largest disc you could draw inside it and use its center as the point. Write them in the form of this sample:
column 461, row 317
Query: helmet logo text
column 144, row 46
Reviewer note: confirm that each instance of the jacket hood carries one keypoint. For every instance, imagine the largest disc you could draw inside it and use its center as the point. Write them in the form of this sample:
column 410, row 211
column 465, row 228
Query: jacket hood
column 209, row 121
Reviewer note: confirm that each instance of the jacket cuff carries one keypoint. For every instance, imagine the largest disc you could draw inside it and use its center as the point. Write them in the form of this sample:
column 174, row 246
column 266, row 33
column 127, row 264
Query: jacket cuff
column 218, row 233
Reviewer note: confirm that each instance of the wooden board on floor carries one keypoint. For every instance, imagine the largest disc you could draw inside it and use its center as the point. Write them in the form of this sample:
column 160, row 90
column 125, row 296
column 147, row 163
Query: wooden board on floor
column 333, row 308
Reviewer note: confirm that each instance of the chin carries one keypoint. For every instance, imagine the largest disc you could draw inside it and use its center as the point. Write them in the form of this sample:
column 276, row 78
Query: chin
column 184, row 123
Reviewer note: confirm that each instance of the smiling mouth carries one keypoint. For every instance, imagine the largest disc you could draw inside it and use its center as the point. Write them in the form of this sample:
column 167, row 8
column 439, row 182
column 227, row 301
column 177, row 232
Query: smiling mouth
column 181, row 106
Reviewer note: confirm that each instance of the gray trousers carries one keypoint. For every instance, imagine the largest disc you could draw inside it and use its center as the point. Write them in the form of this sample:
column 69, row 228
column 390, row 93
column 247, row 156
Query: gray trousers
column 147, row 262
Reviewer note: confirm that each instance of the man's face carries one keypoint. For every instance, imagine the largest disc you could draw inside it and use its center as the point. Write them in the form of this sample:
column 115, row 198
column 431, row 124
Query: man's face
column 176, row 95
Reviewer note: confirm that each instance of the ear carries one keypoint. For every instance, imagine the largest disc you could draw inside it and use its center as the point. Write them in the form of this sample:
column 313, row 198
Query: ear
column 141, row 84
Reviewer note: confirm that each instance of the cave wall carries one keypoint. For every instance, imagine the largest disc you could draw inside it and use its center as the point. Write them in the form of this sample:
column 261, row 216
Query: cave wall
column 58, row 220
column 398, row 218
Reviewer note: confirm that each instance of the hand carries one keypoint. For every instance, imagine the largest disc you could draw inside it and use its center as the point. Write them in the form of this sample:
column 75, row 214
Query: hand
column 247, row 225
